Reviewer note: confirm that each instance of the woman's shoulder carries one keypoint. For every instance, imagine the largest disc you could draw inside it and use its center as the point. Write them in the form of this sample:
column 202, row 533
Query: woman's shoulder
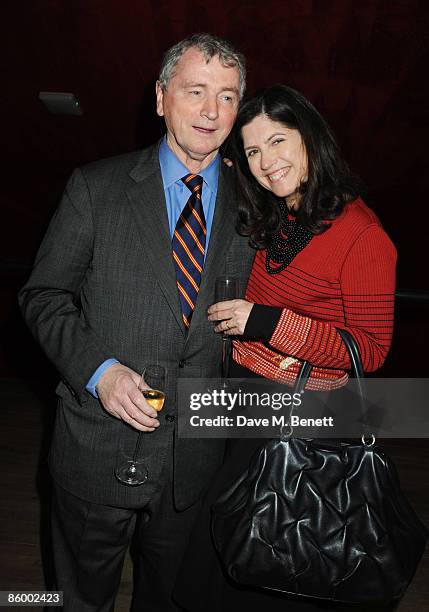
column 357, row 215
column 357, row 224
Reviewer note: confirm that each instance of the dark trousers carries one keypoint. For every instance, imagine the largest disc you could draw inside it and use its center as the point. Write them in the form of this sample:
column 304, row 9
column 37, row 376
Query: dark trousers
column 90, row 542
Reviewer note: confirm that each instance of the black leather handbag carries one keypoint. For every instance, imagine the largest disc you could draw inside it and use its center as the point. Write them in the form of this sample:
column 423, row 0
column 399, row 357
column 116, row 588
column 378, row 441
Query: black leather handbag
column 320, row 519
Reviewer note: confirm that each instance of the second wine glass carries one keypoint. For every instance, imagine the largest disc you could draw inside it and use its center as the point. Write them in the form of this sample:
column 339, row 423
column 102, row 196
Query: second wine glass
column 226, row 288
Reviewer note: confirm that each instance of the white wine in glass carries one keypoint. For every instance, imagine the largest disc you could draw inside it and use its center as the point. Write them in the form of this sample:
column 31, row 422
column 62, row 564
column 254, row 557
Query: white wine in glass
column 154, row 398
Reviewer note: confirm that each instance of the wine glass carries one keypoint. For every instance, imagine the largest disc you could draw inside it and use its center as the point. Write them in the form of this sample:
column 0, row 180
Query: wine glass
column 133, row 472
column 226, row 288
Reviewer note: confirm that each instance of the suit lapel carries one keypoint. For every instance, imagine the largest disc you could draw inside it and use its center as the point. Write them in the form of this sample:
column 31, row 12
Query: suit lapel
column 146, row 196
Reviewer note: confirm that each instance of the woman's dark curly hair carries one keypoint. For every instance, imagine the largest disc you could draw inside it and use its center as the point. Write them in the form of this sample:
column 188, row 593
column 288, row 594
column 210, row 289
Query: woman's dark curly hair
column 330, row 184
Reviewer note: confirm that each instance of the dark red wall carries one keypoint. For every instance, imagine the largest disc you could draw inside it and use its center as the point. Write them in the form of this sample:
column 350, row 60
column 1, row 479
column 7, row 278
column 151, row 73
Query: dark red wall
column 363, row 63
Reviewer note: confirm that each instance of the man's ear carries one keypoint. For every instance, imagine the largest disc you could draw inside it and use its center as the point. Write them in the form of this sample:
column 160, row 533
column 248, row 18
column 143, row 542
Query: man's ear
column 159, row 99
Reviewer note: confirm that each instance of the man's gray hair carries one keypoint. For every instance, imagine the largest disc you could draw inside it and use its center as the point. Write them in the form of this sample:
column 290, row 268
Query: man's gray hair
column 209, row 46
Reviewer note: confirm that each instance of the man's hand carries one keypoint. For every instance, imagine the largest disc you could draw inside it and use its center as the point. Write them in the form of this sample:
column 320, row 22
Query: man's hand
column 232, row 316
column 119, row 393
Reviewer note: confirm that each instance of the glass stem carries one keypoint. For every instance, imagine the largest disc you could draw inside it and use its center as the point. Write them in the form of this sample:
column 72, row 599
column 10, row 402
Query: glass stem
column 137, row 448
column 225, row 355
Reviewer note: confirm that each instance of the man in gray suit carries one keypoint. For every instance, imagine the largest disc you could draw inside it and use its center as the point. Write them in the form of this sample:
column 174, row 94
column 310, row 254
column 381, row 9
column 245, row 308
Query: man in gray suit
column 103, row 302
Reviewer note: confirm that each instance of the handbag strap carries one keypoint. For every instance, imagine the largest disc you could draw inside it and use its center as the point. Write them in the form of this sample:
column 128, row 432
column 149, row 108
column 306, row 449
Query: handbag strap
column 353, row 351
column 356, row 367
column 356, row 370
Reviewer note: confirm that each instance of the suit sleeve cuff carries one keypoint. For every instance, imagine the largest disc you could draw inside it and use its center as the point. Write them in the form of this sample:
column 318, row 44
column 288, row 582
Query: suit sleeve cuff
column 92, row 383
column 262, row 321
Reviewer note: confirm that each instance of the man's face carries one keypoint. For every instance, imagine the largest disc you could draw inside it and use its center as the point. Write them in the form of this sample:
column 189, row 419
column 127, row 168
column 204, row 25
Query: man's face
column 199, row 107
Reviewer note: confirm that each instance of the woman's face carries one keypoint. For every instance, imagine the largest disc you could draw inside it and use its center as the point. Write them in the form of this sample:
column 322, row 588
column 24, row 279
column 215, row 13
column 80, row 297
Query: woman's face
column 276, row 155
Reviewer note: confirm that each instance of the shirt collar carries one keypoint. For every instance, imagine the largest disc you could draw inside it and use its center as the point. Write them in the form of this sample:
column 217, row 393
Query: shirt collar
column 172, row 170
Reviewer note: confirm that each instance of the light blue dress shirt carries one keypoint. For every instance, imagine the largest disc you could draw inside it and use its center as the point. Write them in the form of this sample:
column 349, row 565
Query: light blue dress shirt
column 176, row 196
column 176, row 192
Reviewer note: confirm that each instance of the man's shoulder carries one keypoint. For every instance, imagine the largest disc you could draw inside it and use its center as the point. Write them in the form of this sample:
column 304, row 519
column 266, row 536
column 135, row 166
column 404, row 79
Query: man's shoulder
column 137, row 162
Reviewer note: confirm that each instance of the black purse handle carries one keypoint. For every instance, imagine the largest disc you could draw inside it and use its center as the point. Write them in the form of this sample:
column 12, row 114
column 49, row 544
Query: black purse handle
column 356, row 370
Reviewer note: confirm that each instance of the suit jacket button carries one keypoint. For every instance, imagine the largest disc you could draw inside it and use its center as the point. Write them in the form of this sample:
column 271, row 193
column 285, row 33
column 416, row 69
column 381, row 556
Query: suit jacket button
column 170, row 417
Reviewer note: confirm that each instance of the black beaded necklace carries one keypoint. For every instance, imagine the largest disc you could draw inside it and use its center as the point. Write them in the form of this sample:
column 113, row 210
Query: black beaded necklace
column 286, row 243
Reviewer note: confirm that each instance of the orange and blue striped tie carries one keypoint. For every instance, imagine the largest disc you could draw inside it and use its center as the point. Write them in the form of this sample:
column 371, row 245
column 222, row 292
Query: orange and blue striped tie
column 189, row 243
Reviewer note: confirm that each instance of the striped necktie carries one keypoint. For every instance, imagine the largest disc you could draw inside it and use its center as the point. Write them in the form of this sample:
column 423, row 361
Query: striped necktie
column 189, row 243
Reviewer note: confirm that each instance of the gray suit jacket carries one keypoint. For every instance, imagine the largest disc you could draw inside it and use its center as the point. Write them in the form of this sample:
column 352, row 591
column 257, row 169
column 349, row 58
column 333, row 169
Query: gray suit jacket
column 103, row 286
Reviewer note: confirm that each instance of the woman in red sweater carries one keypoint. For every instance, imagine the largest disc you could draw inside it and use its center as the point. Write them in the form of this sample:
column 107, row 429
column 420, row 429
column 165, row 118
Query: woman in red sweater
column 323, row 259
column 323, row 262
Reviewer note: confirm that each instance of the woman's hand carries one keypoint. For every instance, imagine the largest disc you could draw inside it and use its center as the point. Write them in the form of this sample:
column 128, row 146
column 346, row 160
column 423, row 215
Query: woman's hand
column 231, row 316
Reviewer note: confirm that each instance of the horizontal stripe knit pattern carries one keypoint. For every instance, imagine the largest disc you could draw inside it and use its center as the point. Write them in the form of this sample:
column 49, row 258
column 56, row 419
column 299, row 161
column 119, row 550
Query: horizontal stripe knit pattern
column 343, row 278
